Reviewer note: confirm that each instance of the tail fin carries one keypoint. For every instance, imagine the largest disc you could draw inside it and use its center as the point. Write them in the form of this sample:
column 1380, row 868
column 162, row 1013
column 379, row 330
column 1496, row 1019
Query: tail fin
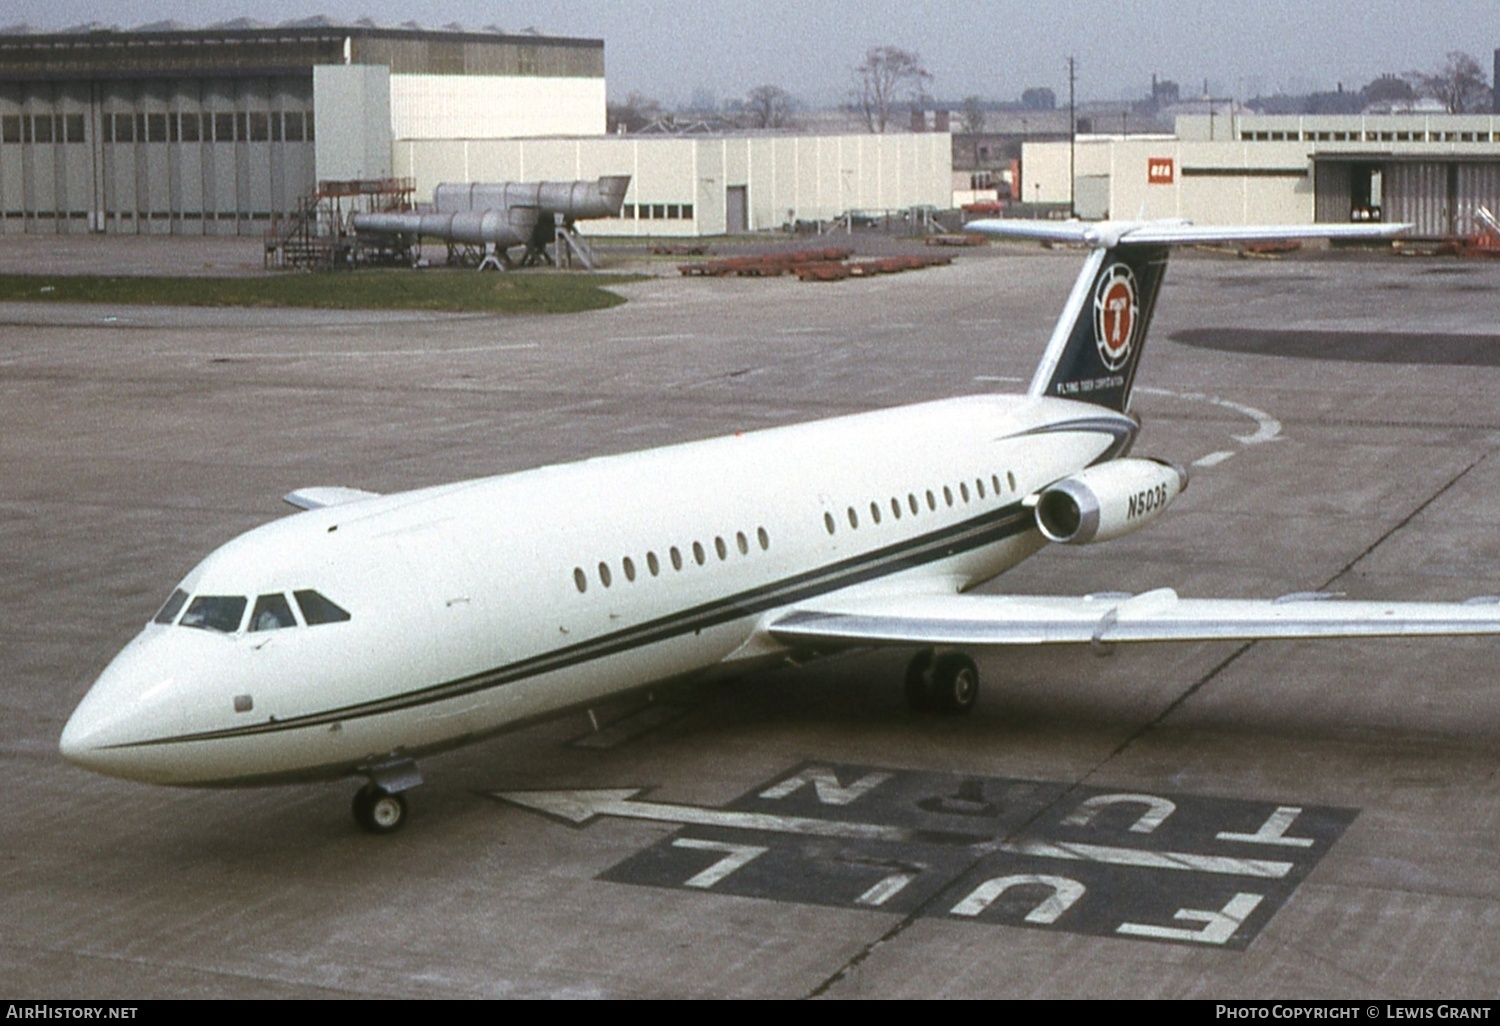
column 1097, row 343
column 1096, row 346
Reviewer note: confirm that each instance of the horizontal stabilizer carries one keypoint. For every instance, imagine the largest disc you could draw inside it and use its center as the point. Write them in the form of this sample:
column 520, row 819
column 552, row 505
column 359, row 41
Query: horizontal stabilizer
column 327, row 495
column 1106, row 619
column 1108, row 234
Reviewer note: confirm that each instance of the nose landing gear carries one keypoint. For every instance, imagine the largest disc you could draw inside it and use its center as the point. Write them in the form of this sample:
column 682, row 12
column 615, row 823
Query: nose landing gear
column 379, row 807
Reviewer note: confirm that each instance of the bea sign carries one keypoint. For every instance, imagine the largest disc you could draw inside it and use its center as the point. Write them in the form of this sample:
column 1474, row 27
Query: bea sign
column 1160, row 170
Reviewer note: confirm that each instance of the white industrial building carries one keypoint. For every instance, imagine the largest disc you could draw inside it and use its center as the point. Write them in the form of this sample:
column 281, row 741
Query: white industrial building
column 1431, row 170
column 708, row 185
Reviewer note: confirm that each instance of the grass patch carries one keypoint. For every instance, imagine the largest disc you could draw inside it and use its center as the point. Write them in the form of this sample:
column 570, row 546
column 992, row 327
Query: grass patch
column 528, row 292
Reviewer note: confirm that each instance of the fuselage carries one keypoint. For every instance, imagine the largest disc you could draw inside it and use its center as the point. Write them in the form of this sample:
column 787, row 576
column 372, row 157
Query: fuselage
column 463, row 609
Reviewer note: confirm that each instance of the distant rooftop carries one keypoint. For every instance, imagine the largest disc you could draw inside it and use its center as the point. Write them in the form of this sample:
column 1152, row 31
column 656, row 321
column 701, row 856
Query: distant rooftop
column 320, row 21
column 245, row 46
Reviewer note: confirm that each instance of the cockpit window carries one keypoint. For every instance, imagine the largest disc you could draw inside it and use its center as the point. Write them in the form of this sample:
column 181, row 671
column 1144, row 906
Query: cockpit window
column 215, row 613
column 173, row 606
column 272, row 613
column 316, row 609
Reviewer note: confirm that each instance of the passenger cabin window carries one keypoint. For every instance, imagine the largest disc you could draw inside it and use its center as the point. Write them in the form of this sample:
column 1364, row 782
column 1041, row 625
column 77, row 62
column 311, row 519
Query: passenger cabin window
column 272, row 613
column 318, row 610
column 173, row 606
column 220, row 613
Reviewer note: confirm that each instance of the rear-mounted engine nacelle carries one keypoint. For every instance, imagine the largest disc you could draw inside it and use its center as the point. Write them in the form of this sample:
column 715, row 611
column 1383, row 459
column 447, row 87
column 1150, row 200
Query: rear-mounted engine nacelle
column 1108, row 500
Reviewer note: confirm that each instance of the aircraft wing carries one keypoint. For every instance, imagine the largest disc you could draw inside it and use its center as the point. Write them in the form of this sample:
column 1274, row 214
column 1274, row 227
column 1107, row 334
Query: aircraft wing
column 325, row 495
column 1176, row 232
column 980, row 620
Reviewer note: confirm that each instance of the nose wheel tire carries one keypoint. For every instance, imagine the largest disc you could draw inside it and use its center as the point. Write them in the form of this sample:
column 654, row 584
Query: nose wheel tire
column 379, row 811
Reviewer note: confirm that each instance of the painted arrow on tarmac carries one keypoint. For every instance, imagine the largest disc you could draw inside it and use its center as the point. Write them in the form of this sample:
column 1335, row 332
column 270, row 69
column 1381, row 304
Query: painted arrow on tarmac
column 581, row 807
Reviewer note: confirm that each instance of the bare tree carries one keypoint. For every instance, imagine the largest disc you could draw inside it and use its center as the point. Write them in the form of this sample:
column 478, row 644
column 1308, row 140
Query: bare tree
column 768, row 106
column 888, row 75
column 1461, row 86
column 634, row 114
column 971, row 119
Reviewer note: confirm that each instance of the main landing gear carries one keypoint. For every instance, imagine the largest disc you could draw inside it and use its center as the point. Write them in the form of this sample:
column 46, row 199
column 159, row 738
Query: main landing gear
column 945, row 683
column 379, row 806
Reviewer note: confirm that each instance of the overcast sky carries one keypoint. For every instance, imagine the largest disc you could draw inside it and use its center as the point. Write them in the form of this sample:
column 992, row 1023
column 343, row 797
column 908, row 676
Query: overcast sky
column 673, row 49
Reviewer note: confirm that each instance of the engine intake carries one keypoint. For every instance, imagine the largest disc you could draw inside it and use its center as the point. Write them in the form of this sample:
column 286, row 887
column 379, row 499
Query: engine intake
column 1108, row 500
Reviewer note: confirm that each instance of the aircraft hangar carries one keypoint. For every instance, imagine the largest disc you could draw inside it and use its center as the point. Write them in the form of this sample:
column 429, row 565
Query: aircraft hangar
column 1431, row 170
column 171, row 130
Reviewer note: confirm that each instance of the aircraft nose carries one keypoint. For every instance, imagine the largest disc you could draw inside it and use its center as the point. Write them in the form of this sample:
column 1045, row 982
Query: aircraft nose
column 123, row 708
column 87, row 737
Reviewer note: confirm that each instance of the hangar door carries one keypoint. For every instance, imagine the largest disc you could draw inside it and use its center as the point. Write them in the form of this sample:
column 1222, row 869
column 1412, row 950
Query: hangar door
column 1437, row 197
column 1347, row 190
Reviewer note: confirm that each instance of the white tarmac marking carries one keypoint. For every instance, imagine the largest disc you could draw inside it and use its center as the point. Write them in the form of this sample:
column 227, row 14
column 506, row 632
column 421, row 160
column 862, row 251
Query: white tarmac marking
column 1110, row 855
column 347, row 353
column 735, row 856
column 1273, row 831
column 651, row 338
column 1267, row 427
column 1065, row 894
column 1218, row 926
column 885, row 890
column 580, row 807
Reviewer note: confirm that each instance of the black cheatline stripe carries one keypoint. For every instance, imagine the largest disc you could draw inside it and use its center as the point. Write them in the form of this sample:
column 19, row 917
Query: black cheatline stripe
column 977, row 532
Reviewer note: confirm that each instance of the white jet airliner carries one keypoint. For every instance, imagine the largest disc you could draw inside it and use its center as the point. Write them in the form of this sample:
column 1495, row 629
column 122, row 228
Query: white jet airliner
column 369, row 630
